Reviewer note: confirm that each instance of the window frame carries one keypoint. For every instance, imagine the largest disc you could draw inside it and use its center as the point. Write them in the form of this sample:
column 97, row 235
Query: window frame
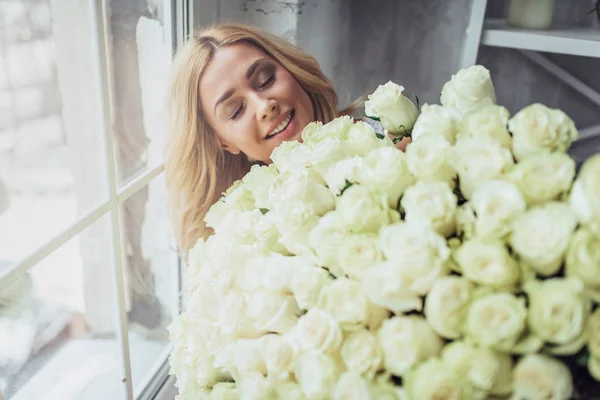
column 178, row 20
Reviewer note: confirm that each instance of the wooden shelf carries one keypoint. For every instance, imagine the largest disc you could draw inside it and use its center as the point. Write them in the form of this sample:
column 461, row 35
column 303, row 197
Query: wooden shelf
column 574, row 41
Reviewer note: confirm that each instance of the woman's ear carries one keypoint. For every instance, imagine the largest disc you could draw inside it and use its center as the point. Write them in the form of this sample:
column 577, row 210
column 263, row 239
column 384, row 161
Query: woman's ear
column 227, row 147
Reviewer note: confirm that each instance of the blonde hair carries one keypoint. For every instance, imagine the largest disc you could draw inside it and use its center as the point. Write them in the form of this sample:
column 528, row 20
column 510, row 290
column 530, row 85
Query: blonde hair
column 197, row 168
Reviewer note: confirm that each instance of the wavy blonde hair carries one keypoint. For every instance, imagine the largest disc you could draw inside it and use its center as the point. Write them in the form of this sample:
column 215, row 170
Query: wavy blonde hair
column 197, row 168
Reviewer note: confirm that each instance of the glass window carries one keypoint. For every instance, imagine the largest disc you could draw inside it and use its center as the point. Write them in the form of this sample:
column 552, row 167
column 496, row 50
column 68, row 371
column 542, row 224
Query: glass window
column 152, row 279
column 140, row 56
column 58, row 325
column 52, row 163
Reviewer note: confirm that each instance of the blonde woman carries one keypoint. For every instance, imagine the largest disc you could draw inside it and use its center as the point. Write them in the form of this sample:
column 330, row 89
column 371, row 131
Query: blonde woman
column 236, row 93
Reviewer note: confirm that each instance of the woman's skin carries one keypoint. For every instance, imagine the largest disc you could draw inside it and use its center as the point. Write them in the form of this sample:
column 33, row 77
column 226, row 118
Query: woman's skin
column 248, row 97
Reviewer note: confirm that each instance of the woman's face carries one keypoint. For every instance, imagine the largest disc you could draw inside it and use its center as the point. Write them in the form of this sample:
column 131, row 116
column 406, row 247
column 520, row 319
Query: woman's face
column 252, row 102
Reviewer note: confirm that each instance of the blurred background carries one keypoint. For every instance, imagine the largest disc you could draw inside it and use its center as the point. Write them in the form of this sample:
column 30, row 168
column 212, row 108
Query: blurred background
column 62, row 307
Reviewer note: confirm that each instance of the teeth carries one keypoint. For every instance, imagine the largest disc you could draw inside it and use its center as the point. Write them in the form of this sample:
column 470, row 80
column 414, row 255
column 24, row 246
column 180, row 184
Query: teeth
column 281, row 126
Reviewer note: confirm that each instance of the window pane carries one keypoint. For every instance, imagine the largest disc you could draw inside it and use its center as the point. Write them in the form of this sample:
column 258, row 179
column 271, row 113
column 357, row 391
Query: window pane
column 140, row 52
column 58, row 325
column 52, row 166
column 151, row 276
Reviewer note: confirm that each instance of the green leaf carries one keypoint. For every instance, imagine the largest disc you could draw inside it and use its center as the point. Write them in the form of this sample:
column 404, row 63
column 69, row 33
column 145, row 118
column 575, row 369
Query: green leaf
column 264, row 210
column 379, row 135
column 374, row 118
column 348, row 184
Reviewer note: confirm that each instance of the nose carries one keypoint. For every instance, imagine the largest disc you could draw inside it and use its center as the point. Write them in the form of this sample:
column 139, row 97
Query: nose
column 268, row 109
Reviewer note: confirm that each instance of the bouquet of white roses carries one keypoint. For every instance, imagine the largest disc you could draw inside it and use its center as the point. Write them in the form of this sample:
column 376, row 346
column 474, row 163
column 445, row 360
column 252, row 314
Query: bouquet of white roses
column 466, row 268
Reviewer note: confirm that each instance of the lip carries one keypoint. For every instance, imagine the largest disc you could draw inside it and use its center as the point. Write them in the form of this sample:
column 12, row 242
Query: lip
column 289, row 129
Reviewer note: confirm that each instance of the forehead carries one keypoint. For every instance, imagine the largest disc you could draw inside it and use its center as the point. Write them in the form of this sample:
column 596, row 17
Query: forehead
column 227, row 69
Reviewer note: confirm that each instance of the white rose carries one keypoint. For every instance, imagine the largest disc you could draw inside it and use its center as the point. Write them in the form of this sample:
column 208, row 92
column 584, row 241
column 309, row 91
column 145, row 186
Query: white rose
column 558, row 312
column 382, row 388
column 582, row 261
column 224, row 391
column 433, row 380
column 352, row 386
column 446, row 304
column 493, row 208
column 406, row 341
column 267, row 234
column 288, row 390
column 317, row 374
column 239, row 226
column 419, row 253
column 307, row 284
column 236, row 322
column 254, row 386
column 342, row 173
column 290, row 156
column 585, row 196
column 303, row 187
column 361, row 353
column 496, row 320
column 433, row 204
column 478, row 160
column 539, row 129
column 248, row 356
column 249, row 276
column 488, row 262
column 540, row 236
column 490, row 120
column 326, row 153
column 386, row 287
column 385, row 170
column 436, row 120
column 396, row 113
column 468, row 89
column 362, row 210
column 326, row 238
column 345, row 301
column 357, row 253
column 278, row 271
column 273, row 311
column 544, row 177
column 294, row 224
column 537, row 376
column 190, row 358
column 362, row 139
column 336, row 129
column 258, row 181
column 487, row 372
column 594, row 334
column 239, row 200
column 278, row 355
column 319, row 331
column 427, row 159
column 238, row 197
column 594, row 367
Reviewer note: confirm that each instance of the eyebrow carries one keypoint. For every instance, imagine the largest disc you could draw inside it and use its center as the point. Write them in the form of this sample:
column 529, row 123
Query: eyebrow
column 249, row 74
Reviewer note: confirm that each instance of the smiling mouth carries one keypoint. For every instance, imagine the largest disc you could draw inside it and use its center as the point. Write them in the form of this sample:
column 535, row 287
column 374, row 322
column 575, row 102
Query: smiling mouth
column 282, row 126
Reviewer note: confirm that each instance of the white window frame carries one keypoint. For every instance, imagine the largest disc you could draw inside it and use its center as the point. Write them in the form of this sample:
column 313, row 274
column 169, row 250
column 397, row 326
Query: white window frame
column 178, row 18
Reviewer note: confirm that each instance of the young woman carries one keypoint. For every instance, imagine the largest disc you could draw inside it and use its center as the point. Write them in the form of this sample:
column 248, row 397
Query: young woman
column 237, row 92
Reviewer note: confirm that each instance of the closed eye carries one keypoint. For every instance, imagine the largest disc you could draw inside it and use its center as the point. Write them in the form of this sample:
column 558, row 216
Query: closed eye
column 268, row 81
column 237, row 112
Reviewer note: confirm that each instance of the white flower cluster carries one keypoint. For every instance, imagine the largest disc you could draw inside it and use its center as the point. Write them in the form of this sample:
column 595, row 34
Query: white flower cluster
column 464, row 268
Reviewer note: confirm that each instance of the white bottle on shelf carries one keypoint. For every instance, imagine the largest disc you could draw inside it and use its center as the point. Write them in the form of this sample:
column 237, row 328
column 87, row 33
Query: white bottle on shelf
column 531, row 14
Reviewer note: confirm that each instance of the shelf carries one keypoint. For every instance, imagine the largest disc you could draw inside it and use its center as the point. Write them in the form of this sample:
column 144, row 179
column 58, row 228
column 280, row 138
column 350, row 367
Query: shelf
column 574, row 41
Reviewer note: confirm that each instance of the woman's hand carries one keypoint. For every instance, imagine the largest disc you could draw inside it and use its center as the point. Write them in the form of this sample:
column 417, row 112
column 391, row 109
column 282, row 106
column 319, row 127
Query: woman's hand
column 403, row 143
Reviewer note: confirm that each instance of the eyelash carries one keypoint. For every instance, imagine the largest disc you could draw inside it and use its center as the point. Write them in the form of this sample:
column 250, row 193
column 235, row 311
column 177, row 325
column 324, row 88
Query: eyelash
column 266, row 83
